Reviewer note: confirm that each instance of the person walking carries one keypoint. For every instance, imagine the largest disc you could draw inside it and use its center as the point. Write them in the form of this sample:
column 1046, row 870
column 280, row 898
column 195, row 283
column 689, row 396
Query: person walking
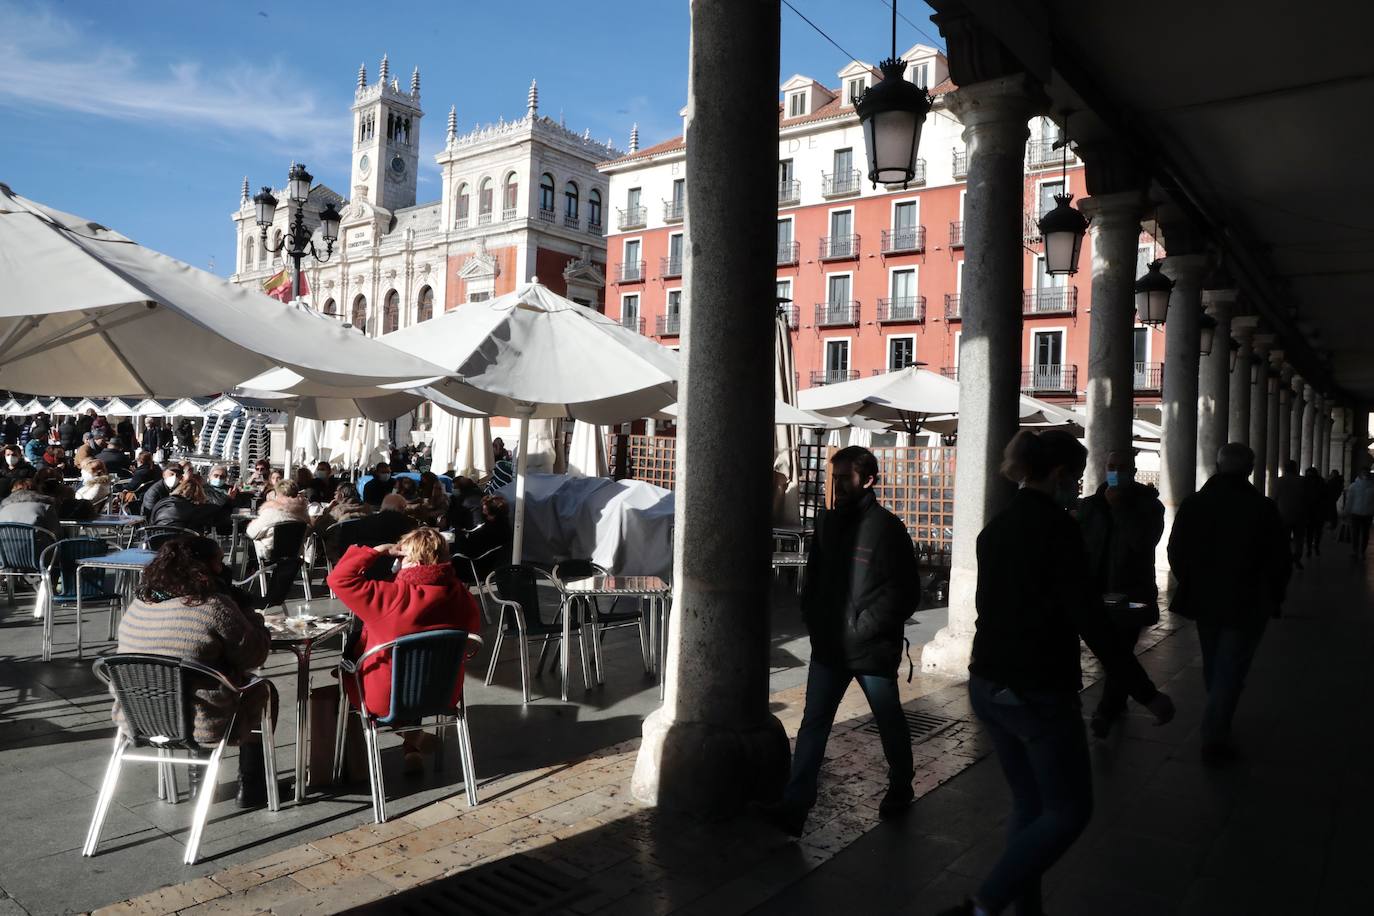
column 1035, row 599
column 1230, row 556
column 1122, row 522
column 862, row 583
column 1359, row 505
column 1290, row 493
column 1314, row 506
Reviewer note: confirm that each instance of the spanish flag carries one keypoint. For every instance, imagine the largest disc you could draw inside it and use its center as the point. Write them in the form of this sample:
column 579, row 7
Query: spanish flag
column 278, row 286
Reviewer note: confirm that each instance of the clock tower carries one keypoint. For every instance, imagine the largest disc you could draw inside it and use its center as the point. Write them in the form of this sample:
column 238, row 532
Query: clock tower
column 386, row 140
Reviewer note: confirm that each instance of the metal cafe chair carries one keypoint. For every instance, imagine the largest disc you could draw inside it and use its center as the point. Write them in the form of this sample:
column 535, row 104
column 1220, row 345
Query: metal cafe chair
column 600, row 621
column 516, row 590
column 21, row 546
column 426, row 676
column 155, row 694
column 284, row 564
column 153, row 537
column 490, row 557
column 58, row 565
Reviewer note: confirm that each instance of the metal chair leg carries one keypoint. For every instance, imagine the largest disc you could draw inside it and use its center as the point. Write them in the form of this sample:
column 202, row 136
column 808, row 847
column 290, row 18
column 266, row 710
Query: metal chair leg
column 496, row 647
column 375, row 766
column 340, row 732
column 524, row 662
column 203, row 801
column 441, row 732
column 543, row 653
column 644, row 645
column 107, row 790
column 269, row 759
column 9, row 589
column 465, row 751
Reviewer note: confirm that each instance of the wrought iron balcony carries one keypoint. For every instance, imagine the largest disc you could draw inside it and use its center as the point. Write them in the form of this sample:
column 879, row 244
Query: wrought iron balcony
column 669, row 325
column 508, row 214
column 1053, row 378
column 670, row 266
column 633, row 217
column 902, row 309
column 839, row 247
column 1148, row 377
column 1041, row 154
column 917, row 177
column 833, row 376
column 1030, row 228
column 789, row 252
column 837, row 314
column 547, row 215
column 960, row 163
column 956, row 234
column 840, row 184
column 952, row 307
column 1049, row 301
column 790, row 312
column 908, row 239
column 673, row 210
column 633, row 322
column 571, row 220
column 630, row 272
column 789, row 192
column 950, row 372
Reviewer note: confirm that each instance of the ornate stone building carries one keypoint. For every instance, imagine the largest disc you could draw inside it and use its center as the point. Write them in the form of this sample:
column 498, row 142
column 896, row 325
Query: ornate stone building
column 519, row 199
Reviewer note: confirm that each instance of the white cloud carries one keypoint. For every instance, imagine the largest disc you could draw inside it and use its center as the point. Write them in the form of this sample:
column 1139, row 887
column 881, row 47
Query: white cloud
column 47, row 63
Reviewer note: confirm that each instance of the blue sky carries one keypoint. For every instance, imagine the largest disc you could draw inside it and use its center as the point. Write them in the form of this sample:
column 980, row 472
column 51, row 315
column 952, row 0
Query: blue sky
column 147, row 115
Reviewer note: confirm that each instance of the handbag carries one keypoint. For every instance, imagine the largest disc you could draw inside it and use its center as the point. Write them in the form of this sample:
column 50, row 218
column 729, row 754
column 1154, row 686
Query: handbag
column 324, row 718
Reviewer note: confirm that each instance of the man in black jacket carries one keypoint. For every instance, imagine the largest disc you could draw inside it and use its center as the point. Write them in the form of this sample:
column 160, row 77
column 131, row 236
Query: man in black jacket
column 862, row 583
column 1122, row 522
column 1230, row 556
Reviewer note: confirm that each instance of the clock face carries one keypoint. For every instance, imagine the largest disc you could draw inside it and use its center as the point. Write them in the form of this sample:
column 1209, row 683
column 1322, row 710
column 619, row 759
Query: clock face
column 365, row 164
column 398, row 165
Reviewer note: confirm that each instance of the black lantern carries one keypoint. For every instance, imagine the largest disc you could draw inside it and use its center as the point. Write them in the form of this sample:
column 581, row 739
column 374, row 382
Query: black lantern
column 1206, row 334
column 1152, row 295
column 1235, row 353
column 266, row 205
column 296, row 243
column 892, row 114
column 298, row 182
column 329, row 223
column 1063, row 227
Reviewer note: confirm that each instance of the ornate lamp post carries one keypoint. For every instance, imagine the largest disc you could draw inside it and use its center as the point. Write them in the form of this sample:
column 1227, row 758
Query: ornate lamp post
column 1207, row 332
column 892, row 114
column 297, row 242
column 1063, row 227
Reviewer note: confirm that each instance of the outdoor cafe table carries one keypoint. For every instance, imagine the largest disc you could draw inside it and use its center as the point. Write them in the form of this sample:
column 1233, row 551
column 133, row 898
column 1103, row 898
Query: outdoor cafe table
column 301, row 640
column 646, row 588
column 131, row 561
column 119, row 527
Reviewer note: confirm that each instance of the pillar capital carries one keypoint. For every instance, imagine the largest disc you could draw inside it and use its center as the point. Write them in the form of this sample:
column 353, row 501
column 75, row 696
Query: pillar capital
column 1219, row 303
column 1121, row 210
column 1244, row 328
column 1262, row 344
column 1309, row 394
column 1286, row 373
column 1111, row 168
column 1186, row 269
column 1298, row 383
column 994, row 112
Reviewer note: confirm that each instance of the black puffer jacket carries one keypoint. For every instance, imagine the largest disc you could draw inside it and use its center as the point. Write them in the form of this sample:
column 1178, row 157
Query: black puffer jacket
column 182, row 513
column 1121, row 541
column 862, row 583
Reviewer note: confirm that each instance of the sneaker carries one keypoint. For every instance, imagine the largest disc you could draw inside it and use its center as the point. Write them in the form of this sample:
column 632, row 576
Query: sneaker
column 789, row 818
column 897, row 800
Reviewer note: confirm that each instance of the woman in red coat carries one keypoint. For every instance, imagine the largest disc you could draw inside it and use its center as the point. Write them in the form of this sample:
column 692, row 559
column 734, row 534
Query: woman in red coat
column 424, row 595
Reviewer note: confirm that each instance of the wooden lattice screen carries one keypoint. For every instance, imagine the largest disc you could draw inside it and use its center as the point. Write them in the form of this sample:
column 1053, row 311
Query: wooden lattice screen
column 652, row 459
column 917, row 485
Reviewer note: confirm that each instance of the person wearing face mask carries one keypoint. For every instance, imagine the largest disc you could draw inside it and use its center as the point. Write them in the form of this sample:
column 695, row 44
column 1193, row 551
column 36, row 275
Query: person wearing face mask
column 1122, row 522
column 379, row 486
column 171, row 479
column 15, row 468
column 862, row 584
column 1035, row 600
column 144, row 470
column 95, row 482
column 323, row 484
column 113, row 457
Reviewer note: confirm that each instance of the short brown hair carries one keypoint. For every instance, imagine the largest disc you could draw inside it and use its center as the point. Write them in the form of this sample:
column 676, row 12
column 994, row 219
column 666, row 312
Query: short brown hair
column 424, row 546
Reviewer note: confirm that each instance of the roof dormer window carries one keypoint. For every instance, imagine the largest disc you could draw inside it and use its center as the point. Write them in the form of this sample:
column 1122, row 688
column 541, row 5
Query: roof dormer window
column 919, row 74
column 796, row 104
column 855, row 88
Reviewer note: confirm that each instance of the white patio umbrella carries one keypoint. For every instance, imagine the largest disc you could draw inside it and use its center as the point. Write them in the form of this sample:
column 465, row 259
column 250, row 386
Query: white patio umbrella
column 474, row 455
column 784, row 414
column 139, row 323
column 532, row 354
column 587, row 451
column 908, row 397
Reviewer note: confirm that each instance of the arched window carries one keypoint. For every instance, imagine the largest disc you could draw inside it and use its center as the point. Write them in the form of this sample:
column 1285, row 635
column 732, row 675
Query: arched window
column 546, row 193
column 593, row 209
column 424, row 309
column 330, row 308
column 484, row 194
column 391, row 312
column 248, row 252
column 509, row 195
column 570, row 202
column 460, row 218
column 360, row 313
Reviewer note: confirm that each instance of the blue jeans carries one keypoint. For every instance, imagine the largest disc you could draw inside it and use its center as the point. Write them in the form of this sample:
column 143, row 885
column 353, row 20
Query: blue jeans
column 825, row 687
column 1043, row 750
column 1226, row 656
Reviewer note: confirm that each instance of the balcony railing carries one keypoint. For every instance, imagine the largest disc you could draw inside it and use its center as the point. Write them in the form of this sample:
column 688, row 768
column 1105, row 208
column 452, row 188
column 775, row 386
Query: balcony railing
column 671, row 266
column 952, row 307
column 669, row 325
column 910, row 238
column 960, row 163
column 508, row 214
column 484, row 219
column 460, row 222
column 633, row 322
column 833, row 376
column 1049, row 301
column 789, row 252
column 950, row 372
column 902, row 309
column 838, row 184
column 1054, row 377
column 789, row 192
column 571, row 220
column 673, row 210
column 1030, row 227
column 838, row 247
column 791, row 313
column 956, row 234
column 837, row 314
column 633, row 217
column 594, row 226
column 1041, row 154
column 917, row 177
column 630, row 272
column 1148, row 377
column 547, row 214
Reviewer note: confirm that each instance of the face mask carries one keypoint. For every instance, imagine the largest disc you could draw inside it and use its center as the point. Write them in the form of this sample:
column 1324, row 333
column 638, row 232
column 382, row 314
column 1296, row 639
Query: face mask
column 12, row 460
column 87, row 476
column 219, row 483
column 1113, row 478
column 383, row 477
column 171, row 481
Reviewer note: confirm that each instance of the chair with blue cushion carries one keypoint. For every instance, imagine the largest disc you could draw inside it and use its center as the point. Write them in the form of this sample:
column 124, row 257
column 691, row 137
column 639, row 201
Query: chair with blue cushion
column 58, row 566
column 426, row 674
column 21, row 547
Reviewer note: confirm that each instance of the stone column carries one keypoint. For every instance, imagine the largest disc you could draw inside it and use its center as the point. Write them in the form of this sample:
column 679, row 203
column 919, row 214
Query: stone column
column 1238, row 425
column 1115, row 231
column 1273, row 430
column 1214, row 384
column 713, row 746
column 1309, row 423
column 1178, row 409
column 1324, row 438
column 1298, row 404
column 1285, row 427
column 1336, row 442
column 1259, row 408
column 994, row 114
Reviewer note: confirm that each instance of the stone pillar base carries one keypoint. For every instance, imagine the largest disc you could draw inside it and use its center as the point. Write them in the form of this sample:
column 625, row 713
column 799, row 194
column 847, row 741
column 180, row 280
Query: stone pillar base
column 948, row 653
column 709, row 770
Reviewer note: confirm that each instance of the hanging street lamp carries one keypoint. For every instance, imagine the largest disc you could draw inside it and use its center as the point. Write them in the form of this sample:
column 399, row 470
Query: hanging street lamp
column 892, row 114
column 1152, row 295
column 1063, row 227
column 1235, row 353
column 1207, row 332
column 297, row 242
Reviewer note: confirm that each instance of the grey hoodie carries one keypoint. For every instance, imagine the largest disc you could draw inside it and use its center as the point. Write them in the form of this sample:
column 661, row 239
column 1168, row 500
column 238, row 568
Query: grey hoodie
column 30, row 508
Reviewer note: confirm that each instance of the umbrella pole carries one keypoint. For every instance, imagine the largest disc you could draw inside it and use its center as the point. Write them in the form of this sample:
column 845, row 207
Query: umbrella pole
column 290, row 444
column 521, row 460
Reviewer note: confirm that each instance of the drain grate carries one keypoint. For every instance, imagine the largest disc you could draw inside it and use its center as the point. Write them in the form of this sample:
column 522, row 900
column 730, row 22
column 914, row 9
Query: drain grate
column 515, row 886
column 923, row 725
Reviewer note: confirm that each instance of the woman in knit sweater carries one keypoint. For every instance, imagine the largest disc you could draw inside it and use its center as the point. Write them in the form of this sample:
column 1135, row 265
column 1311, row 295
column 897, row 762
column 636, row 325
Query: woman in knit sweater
column 183, row 609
